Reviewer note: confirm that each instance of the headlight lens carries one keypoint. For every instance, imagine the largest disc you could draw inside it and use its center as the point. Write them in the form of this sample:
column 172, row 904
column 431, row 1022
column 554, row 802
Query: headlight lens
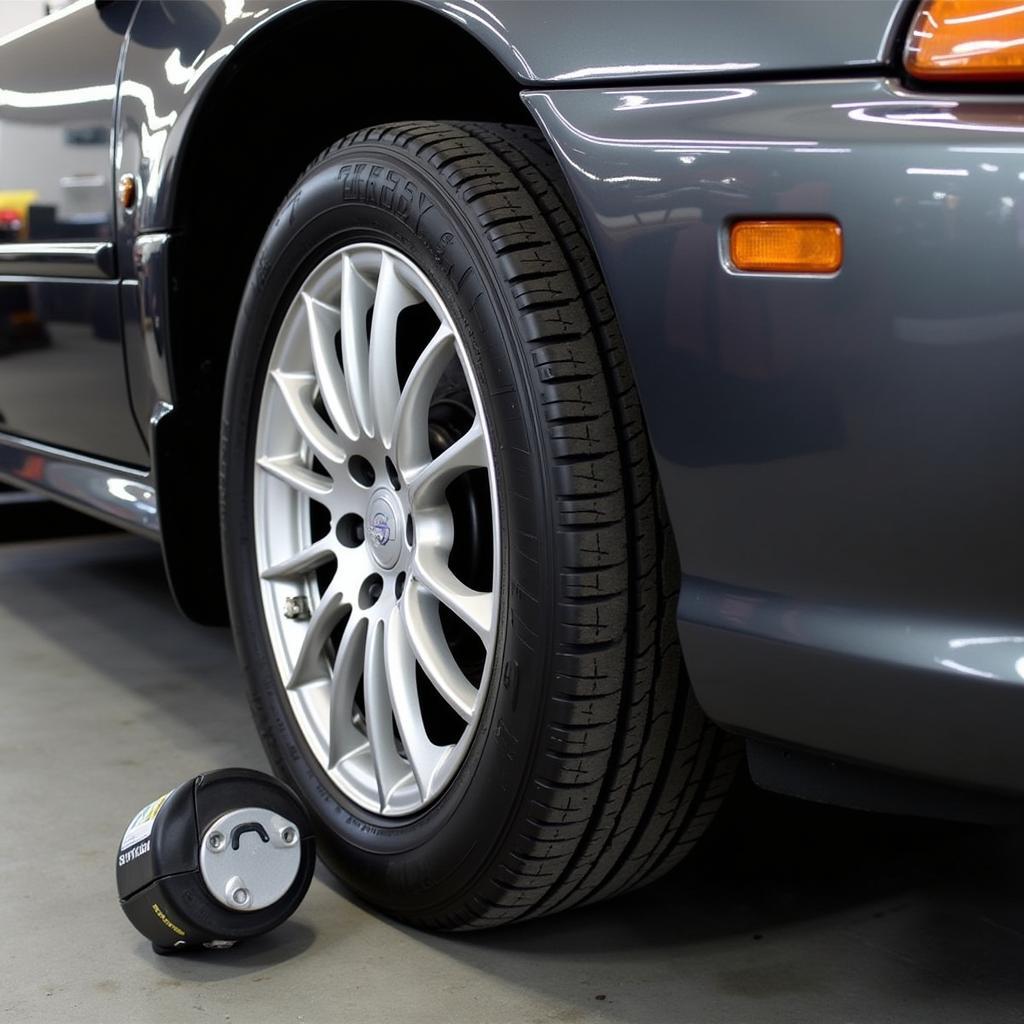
column 972, row 40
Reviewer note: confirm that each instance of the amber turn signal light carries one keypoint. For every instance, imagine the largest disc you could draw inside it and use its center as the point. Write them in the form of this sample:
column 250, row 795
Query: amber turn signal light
column 981, row 40
column 126, row 190
column 786, row 246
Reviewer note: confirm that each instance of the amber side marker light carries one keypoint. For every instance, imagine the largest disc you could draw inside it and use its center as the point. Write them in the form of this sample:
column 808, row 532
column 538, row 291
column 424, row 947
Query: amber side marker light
column 966, row 40
column 786, row 246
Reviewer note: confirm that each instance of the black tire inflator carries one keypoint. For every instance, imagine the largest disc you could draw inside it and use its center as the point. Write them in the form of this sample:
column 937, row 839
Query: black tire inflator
column 224, row 856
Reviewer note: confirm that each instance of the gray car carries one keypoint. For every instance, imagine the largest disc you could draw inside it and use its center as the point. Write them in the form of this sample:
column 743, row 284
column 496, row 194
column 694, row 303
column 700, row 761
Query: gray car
column 566, row 403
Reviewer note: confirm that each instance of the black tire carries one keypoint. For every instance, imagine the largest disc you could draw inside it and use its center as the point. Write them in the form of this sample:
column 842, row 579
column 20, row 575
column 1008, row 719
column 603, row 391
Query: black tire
column 594, row 769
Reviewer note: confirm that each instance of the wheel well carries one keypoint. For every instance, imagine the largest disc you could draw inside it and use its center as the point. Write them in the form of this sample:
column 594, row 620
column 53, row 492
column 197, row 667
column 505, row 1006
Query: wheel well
column 290, row 91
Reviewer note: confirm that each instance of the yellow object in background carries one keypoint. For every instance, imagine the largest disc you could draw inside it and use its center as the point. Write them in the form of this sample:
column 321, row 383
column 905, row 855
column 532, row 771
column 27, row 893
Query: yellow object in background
column 17, row 202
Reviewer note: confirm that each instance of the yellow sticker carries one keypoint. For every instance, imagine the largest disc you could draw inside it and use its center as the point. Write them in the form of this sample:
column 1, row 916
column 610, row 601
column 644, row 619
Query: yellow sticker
column 142, row 824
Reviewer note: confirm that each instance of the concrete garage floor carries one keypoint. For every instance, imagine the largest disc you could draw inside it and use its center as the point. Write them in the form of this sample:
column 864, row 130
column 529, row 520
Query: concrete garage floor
column 789, row 912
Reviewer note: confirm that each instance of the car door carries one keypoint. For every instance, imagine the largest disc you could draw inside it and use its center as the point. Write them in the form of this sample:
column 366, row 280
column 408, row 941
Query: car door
column 62, row 377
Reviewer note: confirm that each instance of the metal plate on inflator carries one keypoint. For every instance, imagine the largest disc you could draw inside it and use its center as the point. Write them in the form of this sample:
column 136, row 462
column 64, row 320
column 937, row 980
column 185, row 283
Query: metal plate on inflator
column 249, row 858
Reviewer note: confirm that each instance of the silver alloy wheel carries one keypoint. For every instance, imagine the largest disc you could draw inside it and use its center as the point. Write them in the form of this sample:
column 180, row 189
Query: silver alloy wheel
column 360, row 614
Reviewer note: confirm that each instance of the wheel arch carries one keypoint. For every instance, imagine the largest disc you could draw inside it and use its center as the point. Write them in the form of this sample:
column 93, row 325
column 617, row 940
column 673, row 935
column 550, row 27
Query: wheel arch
column 250, row 135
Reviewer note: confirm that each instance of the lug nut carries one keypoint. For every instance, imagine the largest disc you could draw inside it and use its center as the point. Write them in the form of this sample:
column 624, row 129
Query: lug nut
column 288, row 836
column 296, row 608
column 240, row 896
column 215, row 842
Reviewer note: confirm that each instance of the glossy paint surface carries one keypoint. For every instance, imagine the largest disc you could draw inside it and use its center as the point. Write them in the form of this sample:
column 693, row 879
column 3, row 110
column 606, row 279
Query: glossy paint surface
column 57, row 92
column 62, row 378
column 67, row 82
column 175, row 53
column 61, row 360
column 838, row 452
column 567, row 42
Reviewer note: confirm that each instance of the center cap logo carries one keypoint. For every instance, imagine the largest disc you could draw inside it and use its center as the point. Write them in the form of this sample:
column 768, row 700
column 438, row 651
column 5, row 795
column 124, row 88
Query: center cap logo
column 380, row 529
column 382, row 518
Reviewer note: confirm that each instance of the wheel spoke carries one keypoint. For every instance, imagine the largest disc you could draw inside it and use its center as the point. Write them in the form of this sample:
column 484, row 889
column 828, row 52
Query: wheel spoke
column 298, row 390
column 474, row 607
column 424, row 756
column 293, row 471
column 302, row 563
column 345, row 738
column 356, row 300
column 410, row 434
column 392, row 296
column 310, row 664
column 324, row 323
column 468, row 452
column 423, row 626
column 388, row 767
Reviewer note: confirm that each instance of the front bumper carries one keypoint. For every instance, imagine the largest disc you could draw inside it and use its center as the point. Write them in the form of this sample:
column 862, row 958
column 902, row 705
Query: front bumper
column 841, row 455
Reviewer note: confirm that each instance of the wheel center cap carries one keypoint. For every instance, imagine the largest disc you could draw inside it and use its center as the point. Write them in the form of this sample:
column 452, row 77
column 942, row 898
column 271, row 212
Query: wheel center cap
column 383, row 519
